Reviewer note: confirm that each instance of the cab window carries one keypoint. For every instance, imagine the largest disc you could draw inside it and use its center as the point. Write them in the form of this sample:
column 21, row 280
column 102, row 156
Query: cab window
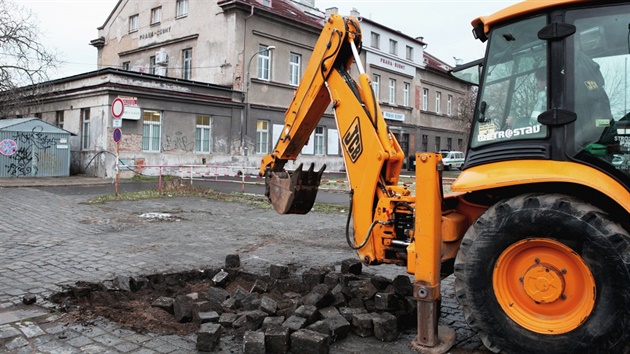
column 514, row 91
column 598, row 57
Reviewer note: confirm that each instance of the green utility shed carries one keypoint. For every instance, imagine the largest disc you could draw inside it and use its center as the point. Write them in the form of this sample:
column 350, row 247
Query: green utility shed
column 30, row 147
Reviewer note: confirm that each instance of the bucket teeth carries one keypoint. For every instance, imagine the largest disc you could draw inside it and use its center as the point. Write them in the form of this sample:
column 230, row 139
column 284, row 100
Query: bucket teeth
column 293, row 192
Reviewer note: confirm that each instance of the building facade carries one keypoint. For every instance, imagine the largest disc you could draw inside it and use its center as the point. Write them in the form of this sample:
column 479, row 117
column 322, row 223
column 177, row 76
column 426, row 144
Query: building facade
column 208, row 83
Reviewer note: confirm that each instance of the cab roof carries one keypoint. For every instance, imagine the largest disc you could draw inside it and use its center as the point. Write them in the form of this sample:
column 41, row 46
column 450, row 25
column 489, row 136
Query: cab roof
column 516, row 10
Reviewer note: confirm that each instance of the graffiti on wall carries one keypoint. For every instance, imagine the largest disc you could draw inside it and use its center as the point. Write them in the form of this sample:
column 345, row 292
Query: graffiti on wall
column 25, row 160
column 22, row 163
column 36, row 137
column 179, row 141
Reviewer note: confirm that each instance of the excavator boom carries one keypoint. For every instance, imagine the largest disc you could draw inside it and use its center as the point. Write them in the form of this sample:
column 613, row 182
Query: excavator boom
column 326, row 80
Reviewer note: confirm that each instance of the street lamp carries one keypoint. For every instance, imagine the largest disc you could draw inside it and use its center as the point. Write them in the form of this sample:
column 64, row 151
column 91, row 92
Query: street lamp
column 247, row 104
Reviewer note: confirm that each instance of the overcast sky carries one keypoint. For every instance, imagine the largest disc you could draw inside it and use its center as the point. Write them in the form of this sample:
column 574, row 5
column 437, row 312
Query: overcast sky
column 68, row 26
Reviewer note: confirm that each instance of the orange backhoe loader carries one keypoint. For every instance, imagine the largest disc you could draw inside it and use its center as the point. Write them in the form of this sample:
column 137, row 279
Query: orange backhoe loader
column 537, row 232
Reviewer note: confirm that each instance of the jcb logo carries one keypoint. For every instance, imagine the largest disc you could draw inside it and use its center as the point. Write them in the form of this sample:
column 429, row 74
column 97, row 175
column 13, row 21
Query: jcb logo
column 352, row 141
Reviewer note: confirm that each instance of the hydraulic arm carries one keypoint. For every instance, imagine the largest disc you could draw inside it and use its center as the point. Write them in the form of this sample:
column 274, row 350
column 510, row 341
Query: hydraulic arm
column 386, row 227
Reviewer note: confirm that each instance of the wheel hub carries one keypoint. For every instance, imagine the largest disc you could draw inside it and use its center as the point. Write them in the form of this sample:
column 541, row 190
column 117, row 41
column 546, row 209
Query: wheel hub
column 543, row 283
column 544, row 286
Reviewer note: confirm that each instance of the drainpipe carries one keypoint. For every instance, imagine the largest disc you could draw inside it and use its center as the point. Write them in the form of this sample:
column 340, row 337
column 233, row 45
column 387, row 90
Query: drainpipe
column 242, row 128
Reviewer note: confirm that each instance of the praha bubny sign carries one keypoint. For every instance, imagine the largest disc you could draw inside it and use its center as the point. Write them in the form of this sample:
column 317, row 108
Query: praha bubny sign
column 155, row 33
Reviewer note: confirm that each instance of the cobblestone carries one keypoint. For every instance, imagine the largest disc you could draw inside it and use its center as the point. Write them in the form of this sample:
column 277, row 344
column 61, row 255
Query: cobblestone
column 50, row 238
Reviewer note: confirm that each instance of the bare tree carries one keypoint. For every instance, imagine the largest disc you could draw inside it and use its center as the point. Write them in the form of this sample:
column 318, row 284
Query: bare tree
column 24, row 60
column 466, row 112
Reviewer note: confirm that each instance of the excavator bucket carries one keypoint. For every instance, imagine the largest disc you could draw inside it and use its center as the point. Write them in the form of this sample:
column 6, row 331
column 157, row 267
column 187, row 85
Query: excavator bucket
column 293, row 192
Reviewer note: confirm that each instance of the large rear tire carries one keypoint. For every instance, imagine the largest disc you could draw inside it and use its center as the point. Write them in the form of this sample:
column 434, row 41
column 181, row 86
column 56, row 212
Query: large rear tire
column 546, row 274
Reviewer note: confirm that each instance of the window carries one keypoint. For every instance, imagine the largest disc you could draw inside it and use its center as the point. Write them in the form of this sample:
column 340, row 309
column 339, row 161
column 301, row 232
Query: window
column 449, row 105
column 406, row 88
column 85, row 128
column 425, row 100
column 262, row 137
column 152, row 66
column 202, row 134
column 392, row 91
column 156, row 15
column 393, row 47
column 181, row 8
column 319, row 140
column 438, row 98
column 425, row 142
column 294, row 69
column 133, row 23
column 125, row 65
column 376, row 86
column 409, row 53
column 151, row 126
column 59, row 119
column 376, row 38
column 449, row 144
column 438, row 143
column 187, row 64
column 264, row 63
column 460, row 144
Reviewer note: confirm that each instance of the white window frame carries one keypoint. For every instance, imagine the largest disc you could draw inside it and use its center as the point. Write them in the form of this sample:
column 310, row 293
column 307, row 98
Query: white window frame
column 406, row 88
column 187, row 58
column 203, row 134
column 375, row 40
column 438, row 102
column 425, row 99
column 376, row 86
column 262, row 137
column 393, row 47
column 133, row 23
column 392, row 91
column 319, row 141
column 85, row 129
column 449, row 105
column 409, row 53
column 59, row 119
column 156, row 15
column 181, row 8
column 152, row 65
column 153, row 143
column 264, row 63
column 295, row 63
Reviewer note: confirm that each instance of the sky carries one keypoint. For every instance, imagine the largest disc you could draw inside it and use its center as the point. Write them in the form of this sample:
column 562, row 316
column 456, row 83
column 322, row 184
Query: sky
column 68, row 26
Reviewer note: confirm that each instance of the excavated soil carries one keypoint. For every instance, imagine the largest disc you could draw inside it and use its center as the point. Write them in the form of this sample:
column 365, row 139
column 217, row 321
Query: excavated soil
column 133, row 310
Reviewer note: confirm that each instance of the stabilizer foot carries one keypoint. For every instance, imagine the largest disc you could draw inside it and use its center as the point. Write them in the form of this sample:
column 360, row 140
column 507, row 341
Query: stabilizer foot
column 446, row 340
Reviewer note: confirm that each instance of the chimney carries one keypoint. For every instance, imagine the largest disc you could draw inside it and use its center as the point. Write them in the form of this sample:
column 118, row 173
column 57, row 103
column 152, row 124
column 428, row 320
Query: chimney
column 331, row 10
column 355, row 13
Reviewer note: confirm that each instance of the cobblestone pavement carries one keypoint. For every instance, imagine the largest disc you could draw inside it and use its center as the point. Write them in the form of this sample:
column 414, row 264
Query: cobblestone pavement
column 49, row 239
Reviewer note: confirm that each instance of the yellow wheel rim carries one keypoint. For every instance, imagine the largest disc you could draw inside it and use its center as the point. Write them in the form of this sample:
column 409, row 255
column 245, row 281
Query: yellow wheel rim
column 544, row 286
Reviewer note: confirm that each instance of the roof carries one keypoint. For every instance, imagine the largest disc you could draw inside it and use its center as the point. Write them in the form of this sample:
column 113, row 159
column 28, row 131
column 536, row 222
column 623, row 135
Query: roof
column 399, row 33
column 298, row 10
column 29, row 125
column 435, row 63
column 285, row 8
column 516, row 10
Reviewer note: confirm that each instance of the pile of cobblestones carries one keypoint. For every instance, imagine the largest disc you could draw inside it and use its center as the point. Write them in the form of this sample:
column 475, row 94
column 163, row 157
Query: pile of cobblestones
column 280, row 311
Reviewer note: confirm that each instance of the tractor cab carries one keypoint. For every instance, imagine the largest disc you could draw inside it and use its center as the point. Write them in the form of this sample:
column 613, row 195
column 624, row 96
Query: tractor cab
column 554, row 86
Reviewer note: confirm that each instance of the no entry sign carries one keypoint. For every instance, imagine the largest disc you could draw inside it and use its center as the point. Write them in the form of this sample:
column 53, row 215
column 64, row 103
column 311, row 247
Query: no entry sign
column 118, row 107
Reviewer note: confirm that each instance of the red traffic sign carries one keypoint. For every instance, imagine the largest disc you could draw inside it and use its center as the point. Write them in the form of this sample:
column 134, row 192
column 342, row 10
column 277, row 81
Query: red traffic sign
column 117, row 135
column 118, row 107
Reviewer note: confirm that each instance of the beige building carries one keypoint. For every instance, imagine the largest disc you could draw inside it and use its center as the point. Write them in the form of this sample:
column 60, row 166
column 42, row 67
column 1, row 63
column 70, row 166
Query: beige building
column 208, row 82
